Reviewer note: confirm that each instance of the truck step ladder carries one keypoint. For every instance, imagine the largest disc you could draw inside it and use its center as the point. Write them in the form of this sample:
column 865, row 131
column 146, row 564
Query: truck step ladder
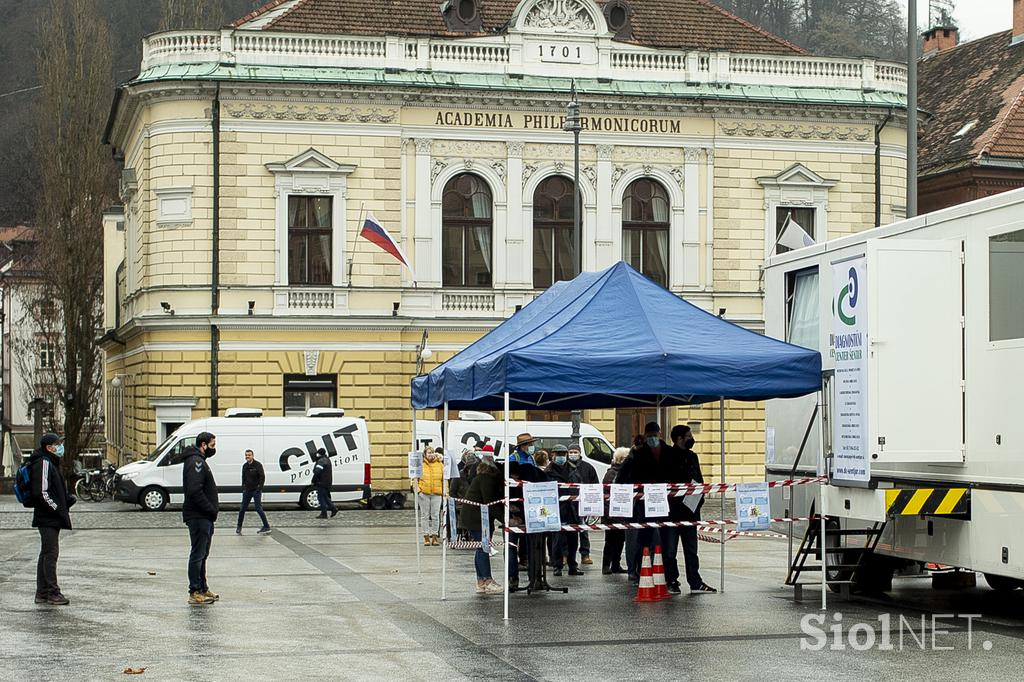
column 843, row 560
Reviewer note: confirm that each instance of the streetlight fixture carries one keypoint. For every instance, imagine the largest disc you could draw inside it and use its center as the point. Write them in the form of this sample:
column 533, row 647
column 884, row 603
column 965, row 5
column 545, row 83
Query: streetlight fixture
column 573, row 125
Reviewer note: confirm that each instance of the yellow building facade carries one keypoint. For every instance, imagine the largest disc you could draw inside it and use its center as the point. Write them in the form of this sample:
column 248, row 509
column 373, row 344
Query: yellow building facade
column 235, row 276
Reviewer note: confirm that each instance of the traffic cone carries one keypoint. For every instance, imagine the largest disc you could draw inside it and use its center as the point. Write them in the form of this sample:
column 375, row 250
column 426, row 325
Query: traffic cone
column 660, row 586
column 646, row 592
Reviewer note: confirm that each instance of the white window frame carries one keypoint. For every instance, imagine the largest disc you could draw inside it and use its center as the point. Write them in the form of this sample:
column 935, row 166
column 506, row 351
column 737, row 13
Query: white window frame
column 796, row 187
column 170, row 410
column 311, row 173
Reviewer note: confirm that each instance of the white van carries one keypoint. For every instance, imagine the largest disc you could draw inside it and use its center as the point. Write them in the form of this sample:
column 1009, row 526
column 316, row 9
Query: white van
column 481, row 428
column 284, row 445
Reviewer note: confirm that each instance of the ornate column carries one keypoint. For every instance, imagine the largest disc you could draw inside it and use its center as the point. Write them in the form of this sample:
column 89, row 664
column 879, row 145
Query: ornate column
column 690, row 275
column 427, row 268
column 709, row 240
column 514, row 252
column 607, row 229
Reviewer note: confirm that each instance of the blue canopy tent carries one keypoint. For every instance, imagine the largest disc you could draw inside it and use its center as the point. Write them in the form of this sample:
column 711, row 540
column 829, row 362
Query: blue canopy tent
column 616, row 339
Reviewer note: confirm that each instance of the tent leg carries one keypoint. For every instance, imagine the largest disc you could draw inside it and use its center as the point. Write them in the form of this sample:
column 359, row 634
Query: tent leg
column 508, row 536
column 416, row 504
column 721, row 433
column 445, row 501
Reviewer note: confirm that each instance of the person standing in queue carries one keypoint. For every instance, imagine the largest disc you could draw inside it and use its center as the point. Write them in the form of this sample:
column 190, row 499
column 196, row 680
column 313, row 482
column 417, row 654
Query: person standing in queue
column 430, row 487
column 584, row 473
column 253, row 479
column 199, row 512
column 51, row 513
column 566, row 542
column 614, row 540
column 649, row 463
column 323, row 478
column 485, row 488
column 686, row 466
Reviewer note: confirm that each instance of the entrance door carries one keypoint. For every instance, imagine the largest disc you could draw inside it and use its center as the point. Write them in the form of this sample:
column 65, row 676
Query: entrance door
column 629, row 423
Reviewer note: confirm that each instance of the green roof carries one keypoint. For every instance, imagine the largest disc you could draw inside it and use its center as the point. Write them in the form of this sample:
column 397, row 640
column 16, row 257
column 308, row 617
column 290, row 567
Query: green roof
column 481, row 81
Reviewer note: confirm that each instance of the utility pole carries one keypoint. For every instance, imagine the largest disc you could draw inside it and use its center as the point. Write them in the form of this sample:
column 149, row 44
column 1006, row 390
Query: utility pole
column 573, row 125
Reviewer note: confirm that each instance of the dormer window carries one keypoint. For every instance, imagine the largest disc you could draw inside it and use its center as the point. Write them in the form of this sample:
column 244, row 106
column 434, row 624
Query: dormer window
column 463, row 16
column 619, row 16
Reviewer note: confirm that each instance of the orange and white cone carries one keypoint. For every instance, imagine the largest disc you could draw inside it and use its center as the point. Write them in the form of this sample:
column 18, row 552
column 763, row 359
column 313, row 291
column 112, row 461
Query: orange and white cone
column 646, row 592
column 660, row 586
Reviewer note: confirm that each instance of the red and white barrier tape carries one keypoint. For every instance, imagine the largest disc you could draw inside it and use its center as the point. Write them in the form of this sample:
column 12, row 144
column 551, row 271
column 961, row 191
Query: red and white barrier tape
column 641, row 525
column 704, row 488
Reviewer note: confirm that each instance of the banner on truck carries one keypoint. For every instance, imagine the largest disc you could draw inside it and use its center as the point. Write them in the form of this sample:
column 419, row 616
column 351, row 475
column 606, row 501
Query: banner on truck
column 848, row 343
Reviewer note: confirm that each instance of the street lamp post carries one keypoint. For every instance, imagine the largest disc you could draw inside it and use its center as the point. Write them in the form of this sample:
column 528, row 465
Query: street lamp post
column 572, row 124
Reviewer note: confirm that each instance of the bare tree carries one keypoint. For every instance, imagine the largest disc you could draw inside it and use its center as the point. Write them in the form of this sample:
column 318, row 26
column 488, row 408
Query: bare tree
column 184, row 14
column 76, row 184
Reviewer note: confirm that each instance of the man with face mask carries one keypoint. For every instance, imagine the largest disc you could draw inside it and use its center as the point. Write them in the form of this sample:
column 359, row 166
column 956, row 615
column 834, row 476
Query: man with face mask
column 686, row 469
column 50, row 514
column 566, row 542
column 583, row 472
column 199, row 511
column 648, row 464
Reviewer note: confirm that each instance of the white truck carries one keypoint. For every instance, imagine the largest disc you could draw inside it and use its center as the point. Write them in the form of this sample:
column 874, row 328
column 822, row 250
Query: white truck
column 921, row 329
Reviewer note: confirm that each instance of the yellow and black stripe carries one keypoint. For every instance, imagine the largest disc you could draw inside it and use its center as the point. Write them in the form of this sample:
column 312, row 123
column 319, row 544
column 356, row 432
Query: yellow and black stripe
column 930, row 501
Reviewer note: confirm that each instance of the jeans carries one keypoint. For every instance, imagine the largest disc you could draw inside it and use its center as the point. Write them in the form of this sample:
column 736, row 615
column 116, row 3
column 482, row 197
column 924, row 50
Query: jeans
column 430, row 513
column 584, row 543
column 257, row 497
column 482, row 560
column 46, row 567
column 200, row 533
column 566, row 543
column 323, row 494
column 613, row 542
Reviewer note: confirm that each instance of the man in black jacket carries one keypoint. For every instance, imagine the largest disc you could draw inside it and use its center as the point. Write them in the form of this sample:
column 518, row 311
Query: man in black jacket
column 323, row 477
column 649, row 463
column 584, row 472
column 199, row 511
column 686, row 469
column 253, row 479
column 50, row 514
column 566, row 542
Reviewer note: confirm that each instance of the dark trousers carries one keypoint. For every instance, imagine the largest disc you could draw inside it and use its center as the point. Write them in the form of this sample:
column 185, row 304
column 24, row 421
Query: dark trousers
column 584, row 543
column 257, row 498
column 613, row 542
column 566, row 544
column 645, row 537
column 323, row 494
column 46, row 568
column 688, row 537
column 200, row 533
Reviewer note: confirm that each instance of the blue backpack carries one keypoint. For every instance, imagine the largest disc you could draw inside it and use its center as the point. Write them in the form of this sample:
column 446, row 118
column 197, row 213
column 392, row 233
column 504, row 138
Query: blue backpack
column 23, row 485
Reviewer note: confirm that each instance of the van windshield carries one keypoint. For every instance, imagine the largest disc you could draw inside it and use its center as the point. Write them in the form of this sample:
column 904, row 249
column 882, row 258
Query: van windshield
column 160, row 449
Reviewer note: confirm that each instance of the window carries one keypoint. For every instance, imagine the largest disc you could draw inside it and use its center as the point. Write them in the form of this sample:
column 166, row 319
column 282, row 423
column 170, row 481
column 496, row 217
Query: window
column 802, row 216
column 46, row 357
column 176, row 455
column 645, row 229
column 550, row 416
column 309, row 240
column 629, row 424
column 303, row 392
column 802, row 308
column 466, row 225
column 552, row 232
column 598, row 450
column 1005, row 282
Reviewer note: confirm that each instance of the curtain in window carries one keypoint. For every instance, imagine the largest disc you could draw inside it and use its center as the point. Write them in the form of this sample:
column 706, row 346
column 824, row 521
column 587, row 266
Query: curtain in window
column 482, row 237
column 803, row 321
column 656, row 261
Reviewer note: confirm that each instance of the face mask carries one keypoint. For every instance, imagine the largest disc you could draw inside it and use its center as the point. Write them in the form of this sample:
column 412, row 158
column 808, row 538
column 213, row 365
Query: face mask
column 478, row 454
column 574, row 458
column 652, row 441
column 560, row 460
column 59, row 452
column 688, row 443
column 210, row 452
column 530, row 449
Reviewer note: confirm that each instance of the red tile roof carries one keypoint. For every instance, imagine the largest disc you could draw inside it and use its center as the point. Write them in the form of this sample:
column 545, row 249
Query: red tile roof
column 981, row 82
column 678, row 24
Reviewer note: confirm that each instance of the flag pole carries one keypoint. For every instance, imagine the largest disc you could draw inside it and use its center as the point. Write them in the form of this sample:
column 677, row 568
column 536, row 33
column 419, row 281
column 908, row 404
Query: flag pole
column 355, row 239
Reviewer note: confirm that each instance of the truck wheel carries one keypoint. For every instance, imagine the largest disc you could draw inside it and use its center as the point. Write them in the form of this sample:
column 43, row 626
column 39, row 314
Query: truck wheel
column 396, row 500
column 378, row 502
column 309, row 500
column 153, row 498
column 1002, row 583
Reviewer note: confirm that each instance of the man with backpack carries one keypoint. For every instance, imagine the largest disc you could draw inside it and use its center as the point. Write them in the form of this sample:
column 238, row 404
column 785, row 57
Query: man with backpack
column 51, row 504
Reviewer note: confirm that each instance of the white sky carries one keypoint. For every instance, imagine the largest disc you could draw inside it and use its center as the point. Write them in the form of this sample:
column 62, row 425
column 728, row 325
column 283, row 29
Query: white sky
column 976, row 18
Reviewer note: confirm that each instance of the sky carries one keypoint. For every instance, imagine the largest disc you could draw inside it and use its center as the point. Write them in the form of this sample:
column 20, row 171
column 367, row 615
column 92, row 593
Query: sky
column 976, row 18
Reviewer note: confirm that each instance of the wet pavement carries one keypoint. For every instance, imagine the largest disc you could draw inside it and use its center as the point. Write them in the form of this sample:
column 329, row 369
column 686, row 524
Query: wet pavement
column 342, row 599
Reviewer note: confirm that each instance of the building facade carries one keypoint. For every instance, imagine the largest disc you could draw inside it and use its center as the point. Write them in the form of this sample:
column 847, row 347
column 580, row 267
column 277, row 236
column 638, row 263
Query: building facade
column 235, row 276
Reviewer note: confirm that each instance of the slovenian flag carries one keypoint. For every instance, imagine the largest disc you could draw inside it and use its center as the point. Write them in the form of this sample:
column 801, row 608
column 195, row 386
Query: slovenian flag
column 375, row 232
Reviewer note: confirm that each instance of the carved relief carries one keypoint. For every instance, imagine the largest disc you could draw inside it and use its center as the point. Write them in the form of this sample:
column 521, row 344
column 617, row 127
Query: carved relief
column 515, row 149
column 467, row 148
column 499, row 168
column 435, row 170
column 667, row 155
column 591, row 173
column 528, row 170
column 423, row 145
column 568, row 15
column 605, row 151
column 692, row 154
column 791, row 131
column 292, row 112
column 617, row 174
column 677, row 173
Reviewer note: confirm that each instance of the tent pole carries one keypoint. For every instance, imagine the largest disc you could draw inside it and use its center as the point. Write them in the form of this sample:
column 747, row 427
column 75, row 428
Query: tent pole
column 822, row 471
column 721, row 434
column 416, row 503
column 508, row 536
column 445, row 501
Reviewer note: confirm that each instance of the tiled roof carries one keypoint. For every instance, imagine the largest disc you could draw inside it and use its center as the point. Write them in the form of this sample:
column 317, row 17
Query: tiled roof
column 975, row 89
column 678, row 24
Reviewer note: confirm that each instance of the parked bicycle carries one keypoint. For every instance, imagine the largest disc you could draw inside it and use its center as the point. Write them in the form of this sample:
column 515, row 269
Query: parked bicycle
column 95, row 484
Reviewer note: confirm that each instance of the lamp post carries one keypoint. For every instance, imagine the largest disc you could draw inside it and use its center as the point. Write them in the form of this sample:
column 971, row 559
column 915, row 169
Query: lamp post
column 573, row 125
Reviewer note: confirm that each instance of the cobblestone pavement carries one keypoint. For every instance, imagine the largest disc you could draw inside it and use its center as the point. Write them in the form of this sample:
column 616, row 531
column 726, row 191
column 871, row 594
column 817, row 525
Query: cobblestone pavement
column 344, row 599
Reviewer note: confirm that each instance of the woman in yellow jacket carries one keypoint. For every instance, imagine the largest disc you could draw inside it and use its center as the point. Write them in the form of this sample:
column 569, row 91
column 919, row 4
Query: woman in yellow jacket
column 430, row 489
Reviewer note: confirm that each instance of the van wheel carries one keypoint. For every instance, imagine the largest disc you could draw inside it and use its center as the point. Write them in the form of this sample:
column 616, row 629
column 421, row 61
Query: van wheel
column 153, row 499
column 309, row 499
column 1002, row 583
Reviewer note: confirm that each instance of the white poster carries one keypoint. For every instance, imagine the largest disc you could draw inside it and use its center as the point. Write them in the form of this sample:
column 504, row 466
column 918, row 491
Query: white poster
column 655, row 500
column 620, row 501
column 753, row 509
column 451, row 466
column 848, row 345
column 415, row 465
column 692, row 501
column 485, row 528
column 540, row 503
column 591, row 500
column 769, row 445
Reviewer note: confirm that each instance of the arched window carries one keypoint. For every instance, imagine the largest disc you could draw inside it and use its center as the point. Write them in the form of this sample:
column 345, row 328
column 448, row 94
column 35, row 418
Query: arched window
column 645, row 228
column 466, row 226
column 552, row 231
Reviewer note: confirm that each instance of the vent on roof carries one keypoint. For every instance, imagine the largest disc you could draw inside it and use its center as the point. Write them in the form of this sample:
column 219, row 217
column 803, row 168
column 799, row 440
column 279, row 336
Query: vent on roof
column 325, row 412
column 243, row 412
column 619, row 16
column 965, row 129
column 463, row 16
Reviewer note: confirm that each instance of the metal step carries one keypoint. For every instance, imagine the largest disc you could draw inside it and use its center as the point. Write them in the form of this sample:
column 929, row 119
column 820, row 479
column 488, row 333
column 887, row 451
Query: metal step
column 831, row 567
